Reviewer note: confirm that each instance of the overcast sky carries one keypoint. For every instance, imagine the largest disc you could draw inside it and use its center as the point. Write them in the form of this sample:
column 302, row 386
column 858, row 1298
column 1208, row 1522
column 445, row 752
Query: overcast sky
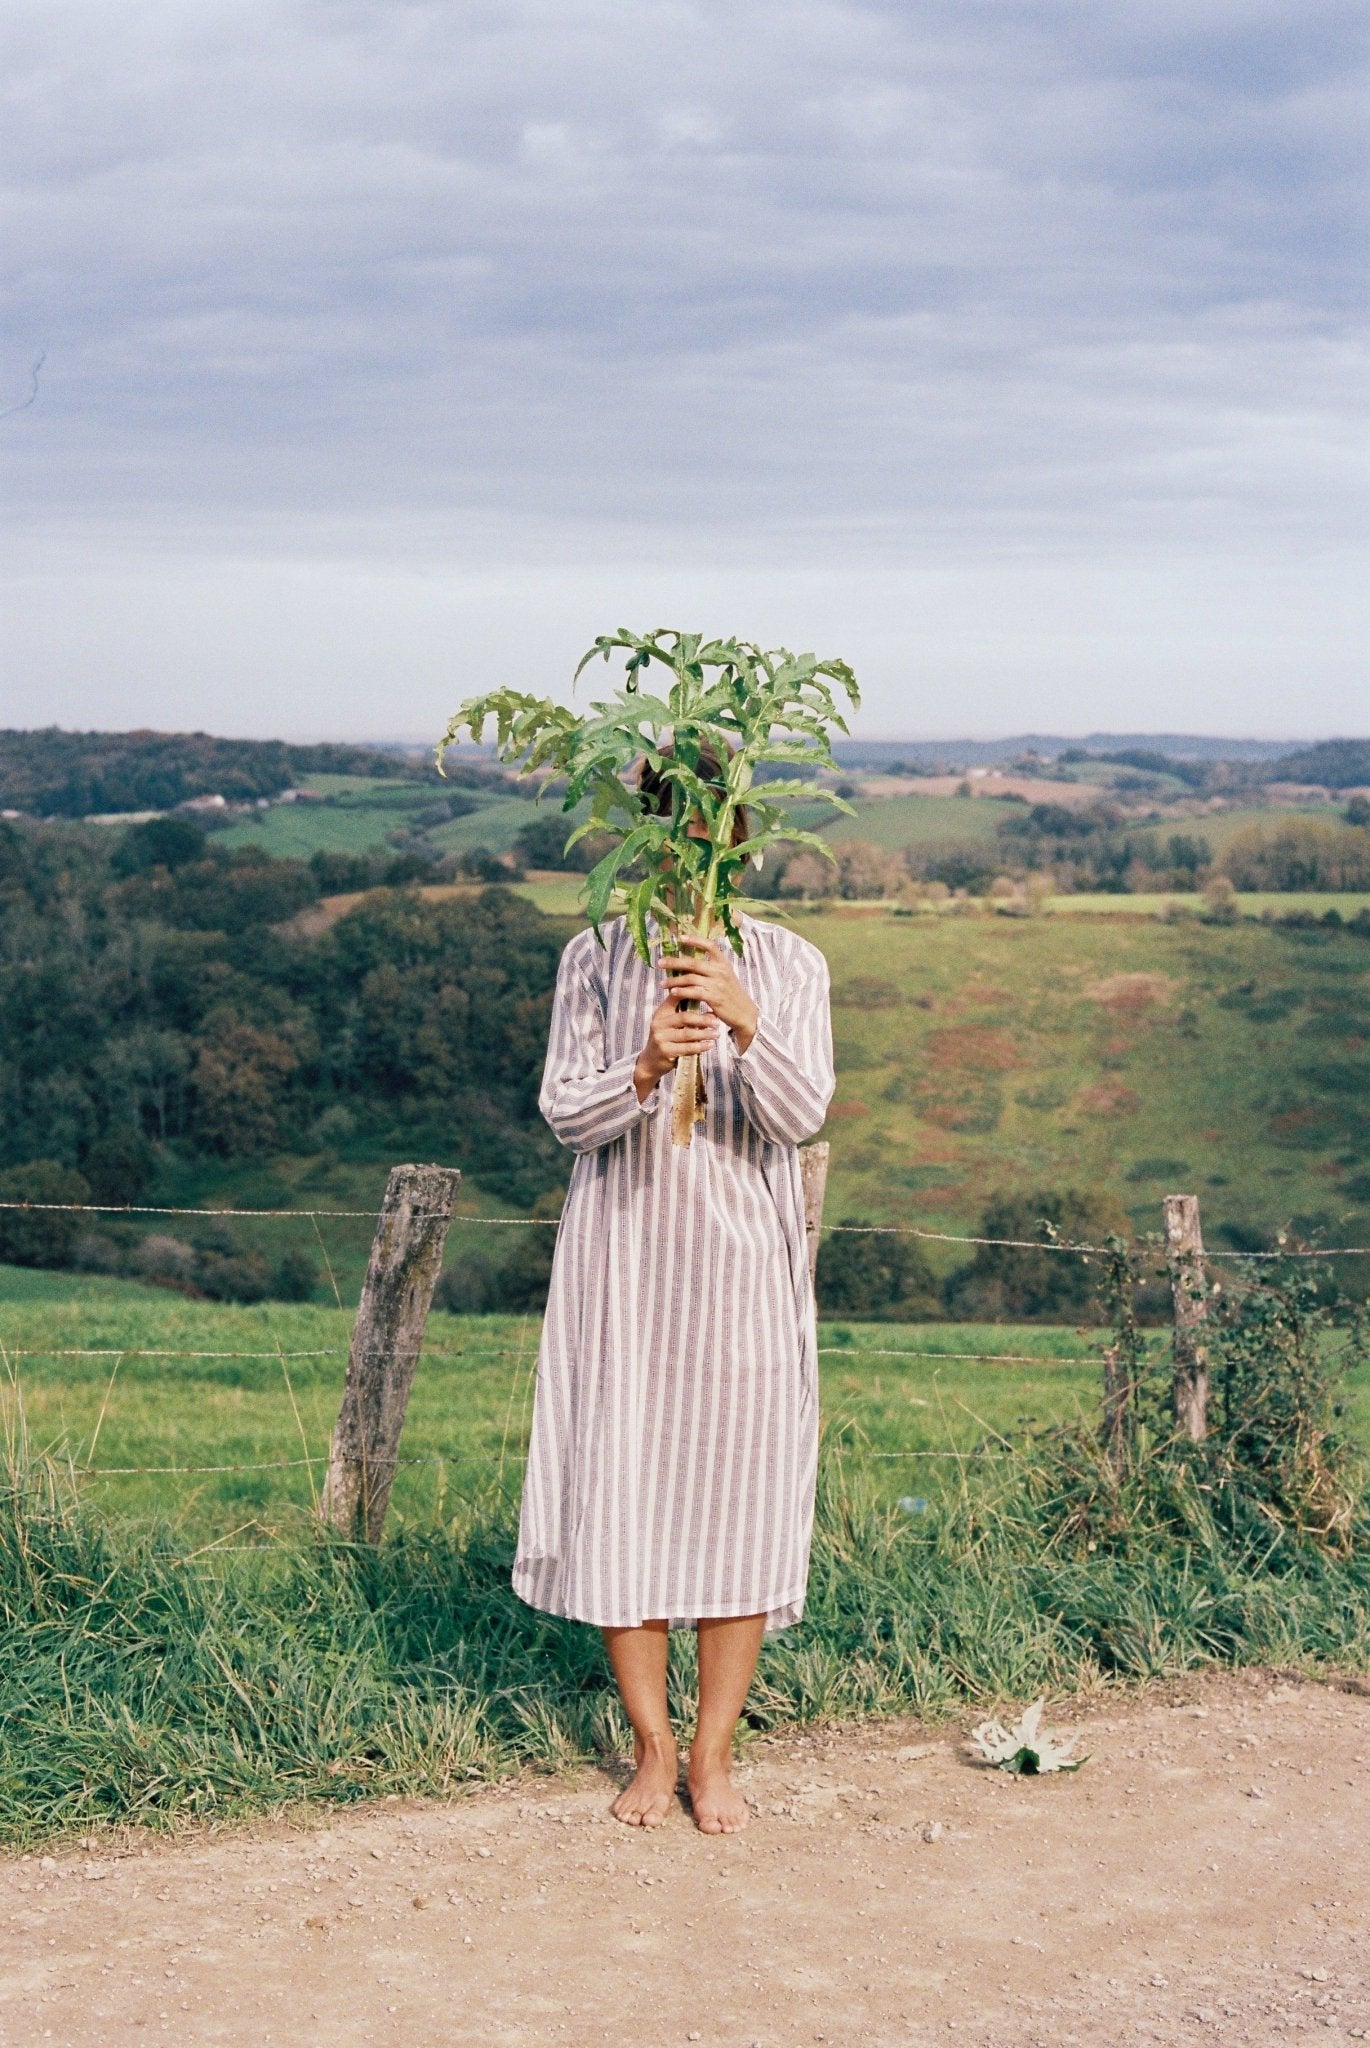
column 1012, row 348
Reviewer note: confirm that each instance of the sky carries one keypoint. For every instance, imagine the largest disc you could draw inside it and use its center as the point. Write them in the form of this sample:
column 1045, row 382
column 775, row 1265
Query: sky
column 357, row 354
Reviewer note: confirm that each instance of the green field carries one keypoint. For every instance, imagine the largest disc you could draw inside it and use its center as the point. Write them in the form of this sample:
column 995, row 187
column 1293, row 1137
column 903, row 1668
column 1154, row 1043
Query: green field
column 978, row 1054
column 272, row 1409
column 897, row 822
column 361, row 812
column 986, row 1055
column 1217, row 827
column 559, row 896
column 495, row 826
column 221, row 1414
column 1250, row 903
column 358, row 815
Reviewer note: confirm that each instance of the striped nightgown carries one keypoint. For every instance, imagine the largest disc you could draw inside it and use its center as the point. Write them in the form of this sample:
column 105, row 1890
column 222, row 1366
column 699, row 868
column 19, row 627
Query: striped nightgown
column 675, row 1419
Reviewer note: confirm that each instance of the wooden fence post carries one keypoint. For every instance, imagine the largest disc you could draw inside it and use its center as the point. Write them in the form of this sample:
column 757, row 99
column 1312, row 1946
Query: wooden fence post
column 813, row 1176
column 406, row 1255
column 1184, row 1241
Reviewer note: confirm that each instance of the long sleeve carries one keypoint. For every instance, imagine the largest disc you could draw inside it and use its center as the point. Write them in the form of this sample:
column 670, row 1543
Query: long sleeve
column 786, row 1073
column 587, row 1099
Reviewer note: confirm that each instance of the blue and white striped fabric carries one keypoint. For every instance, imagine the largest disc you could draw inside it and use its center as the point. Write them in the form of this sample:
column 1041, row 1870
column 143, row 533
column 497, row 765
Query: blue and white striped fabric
column 675, row 1420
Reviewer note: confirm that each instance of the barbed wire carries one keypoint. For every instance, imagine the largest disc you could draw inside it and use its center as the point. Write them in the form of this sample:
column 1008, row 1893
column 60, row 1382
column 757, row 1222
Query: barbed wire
column 1026, row 1244
column 448, row 1457
column 849, row 1351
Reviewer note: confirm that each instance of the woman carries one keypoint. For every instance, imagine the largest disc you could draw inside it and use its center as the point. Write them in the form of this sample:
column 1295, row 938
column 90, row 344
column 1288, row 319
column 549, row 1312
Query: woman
column 670, row 1477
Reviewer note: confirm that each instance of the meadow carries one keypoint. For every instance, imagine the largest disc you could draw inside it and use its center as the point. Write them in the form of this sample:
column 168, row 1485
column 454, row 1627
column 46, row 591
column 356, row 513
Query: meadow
column 906, row 1406
column 1137, row 1056
column 192, row 1644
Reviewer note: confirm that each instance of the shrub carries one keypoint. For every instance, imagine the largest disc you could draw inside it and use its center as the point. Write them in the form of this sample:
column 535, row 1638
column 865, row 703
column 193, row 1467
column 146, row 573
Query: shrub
column 297, row 1275
column 541, row 843
column 1275, row 1476
column 120, row 1165
column 167, row 1261
column 44, row 1237
column 484, row 1278
column 233, row 1276
column 1220, row 901
column 1004, row 1281
column 878, row 1277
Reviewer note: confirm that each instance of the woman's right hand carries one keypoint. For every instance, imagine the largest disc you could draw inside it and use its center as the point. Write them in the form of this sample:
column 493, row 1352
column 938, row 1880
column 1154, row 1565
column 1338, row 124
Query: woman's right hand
column 672, row 1035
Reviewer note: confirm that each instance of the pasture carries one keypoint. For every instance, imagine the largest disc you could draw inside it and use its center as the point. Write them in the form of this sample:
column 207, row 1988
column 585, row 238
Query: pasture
column 894, row 1402
column 982, row 1053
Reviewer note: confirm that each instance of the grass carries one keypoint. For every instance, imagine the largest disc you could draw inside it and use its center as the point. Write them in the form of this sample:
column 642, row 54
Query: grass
column 898, row 822
column 896, row 1400
column 357, row 817
column 471, row 1407
column 1254, row 903
column 141, row 1685
column 192, row 1645
column 977, row 1055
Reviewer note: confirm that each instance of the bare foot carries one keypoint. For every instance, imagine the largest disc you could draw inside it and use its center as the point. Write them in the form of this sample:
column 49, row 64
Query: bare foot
column 646, row 1799
column 718, row 1806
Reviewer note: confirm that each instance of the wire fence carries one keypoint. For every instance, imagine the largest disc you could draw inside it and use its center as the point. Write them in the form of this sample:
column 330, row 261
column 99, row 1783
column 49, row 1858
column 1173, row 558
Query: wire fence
column 117, row 1355
column 1026, row 1244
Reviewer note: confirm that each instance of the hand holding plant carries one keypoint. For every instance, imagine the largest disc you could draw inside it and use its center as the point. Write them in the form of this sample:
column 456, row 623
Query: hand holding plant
column 701, row 972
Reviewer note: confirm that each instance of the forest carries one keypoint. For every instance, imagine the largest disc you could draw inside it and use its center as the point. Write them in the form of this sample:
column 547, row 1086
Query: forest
column 51, row 773
column 151, row 1009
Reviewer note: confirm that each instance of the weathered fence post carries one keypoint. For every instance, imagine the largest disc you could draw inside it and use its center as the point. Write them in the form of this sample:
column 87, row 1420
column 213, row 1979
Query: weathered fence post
column 1184, row 1241
column 813, row 1176
column 406, row 1254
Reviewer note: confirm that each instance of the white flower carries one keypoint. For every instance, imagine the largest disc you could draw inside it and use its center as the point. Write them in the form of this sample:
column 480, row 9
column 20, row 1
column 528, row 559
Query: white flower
column 1024, row 1750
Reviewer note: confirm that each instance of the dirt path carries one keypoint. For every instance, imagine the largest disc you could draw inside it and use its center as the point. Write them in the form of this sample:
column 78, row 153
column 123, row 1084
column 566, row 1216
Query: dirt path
column 1205, row 1878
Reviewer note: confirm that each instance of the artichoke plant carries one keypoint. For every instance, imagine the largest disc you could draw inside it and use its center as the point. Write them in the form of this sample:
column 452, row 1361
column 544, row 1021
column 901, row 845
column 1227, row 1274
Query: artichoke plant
column 727, row 716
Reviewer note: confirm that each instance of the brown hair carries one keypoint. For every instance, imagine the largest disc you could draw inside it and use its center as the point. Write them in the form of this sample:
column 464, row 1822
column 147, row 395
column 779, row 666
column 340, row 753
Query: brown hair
column 657, row 792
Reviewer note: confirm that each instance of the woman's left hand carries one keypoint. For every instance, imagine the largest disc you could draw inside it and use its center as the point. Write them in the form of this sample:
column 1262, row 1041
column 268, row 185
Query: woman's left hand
column 703, row 973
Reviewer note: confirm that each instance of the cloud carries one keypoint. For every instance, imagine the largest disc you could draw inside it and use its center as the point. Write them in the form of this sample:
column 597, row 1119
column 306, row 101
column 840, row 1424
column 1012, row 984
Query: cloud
column 661, row 280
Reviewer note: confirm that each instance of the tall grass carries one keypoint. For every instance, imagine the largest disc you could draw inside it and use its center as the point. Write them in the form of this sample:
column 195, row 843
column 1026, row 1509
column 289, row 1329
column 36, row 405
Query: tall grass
column 139, row 1684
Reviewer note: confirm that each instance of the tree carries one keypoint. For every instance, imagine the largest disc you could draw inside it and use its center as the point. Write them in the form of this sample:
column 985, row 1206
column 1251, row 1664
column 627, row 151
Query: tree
column 867, row 870
column 240, row 1080
column 804, row 874
column 731, row 709
column 1300, row 853
column 160, row 843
